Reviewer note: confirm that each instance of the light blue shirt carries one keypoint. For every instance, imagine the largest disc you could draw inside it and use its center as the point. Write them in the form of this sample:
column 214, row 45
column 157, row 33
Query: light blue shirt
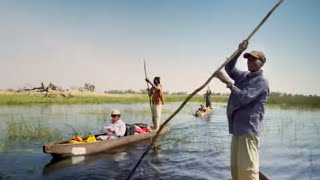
column 246, row 105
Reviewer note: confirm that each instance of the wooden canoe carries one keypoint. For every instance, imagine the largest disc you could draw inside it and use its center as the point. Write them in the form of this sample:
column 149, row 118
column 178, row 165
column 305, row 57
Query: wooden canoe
column 66, row 149
column 203, row 114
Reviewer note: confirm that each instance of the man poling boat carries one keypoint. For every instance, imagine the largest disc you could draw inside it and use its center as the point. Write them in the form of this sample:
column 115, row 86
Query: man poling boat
column 235, row 55
column 245, row 112
column 203, row 111
column 156, row 94
column 207, row 98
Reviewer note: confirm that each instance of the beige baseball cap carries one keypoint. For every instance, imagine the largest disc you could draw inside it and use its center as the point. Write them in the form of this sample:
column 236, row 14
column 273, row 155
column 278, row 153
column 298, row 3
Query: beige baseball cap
column 257, row 54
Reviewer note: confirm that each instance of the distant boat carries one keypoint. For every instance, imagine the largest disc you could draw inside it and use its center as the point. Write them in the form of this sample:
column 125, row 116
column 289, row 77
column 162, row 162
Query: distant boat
column 203, row 113
column 65, row 149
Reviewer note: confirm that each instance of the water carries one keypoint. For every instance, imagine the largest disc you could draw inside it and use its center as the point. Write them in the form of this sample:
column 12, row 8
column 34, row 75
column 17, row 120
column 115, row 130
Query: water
column 196, row 148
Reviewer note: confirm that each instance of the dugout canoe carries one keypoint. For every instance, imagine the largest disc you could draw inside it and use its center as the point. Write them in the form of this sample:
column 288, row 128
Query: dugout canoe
column 202, row 114
column 66, row 149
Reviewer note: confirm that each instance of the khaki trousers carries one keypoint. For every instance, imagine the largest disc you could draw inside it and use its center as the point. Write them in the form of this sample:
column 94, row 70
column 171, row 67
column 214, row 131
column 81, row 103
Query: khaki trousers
column 245, row 157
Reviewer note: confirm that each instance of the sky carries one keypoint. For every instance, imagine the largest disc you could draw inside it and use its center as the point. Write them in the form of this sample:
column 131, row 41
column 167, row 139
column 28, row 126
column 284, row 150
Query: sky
column 104, row 43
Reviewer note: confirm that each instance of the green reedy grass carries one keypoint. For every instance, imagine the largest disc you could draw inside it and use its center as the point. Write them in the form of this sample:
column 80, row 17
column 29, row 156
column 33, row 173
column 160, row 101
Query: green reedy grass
column 22, row 130
column 295, row 101
column 22, row 99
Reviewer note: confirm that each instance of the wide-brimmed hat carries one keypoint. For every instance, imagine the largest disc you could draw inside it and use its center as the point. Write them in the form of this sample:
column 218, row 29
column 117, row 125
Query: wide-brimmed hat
column 115, row 112
column 257, row 54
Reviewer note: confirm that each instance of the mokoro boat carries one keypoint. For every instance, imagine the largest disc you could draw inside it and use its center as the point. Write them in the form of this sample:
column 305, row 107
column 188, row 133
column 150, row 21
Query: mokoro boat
column 66, row 149
column 202, row 113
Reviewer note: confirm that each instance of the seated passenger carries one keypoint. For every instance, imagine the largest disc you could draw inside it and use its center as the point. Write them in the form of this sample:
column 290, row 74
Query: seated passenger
column 114, row 129
column 202, row 108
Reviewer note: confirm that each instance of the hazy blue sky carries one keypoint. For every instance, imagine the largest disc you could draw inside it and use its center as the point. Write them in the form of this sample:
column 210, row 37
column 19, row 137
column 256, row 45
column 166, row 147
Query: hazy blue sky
column 183, row 41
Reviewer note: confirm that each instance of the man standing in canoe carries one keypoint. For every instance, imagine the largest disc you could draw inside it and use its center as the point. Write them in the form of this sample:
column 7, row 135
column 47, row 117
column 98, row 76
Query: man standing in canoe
column 157, row 101
column 245, row 112
column 114, row 129
column 207, row 97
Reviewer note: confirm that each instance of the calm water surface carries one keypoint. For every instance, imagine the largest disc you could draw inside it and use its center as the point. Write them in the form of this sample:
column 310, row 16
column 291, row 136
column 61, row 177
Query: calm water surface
column 196, row 148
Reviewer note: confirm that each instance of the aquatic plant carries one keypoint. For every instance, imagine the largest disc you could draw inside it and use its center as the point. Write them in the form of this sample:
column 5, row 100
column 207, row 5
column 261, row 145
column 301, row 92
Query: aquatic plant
column 22, row 130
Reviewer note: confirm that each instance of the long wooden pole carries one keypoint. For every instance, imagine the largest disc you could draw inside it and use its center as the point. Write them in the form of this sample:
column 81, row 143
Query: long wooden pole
column 201, row 87
column 145, row 73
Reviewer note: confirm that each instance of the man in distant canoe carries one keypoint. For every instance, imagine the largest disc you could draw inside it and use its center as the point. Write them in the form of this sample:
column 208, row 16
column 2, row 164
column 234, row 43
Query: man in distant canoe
column 202, row 108
column 245, row 112
column 157, row 101
column 114, row 129
column 207, row 97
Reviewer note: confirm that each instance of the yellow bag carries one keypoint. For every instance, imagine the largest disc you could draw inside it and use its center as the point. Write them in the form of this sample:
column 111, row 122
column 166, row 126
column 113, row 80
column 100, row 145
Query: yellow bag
column 91, row 139
column 74, row 142
column 77, row 139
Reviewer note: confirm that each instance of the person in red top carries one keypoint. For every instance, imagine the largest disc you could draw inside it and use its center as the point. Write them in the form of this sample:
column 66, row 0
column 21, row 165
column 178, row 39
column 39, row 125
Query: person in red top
column 157, row 101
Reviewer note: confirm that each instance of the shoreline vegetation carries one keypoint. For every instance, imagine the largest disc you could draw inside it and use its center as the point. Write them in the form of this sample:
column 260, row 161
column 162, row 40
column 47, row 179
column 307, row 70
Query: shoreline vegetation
column 13, row 98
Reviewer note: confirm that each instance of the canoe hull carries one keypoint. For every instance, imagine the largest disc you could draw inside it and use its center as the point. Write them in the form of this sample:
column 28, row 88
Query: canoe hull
column 65, row 149
column 203, row 114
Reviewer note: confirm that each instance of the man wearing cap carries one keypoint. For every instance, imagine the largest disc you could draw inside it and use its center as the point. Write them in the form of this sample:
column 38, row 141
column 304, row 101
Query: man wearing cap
column 114, row 129
column 245, row 112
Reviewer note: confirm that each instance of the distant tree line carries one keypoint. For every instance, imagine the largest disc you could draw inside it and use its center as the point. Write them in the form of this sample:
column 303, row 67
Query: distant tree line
column 42, row 88
column 279, row 94
column 89, row 87
column 130, row 91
